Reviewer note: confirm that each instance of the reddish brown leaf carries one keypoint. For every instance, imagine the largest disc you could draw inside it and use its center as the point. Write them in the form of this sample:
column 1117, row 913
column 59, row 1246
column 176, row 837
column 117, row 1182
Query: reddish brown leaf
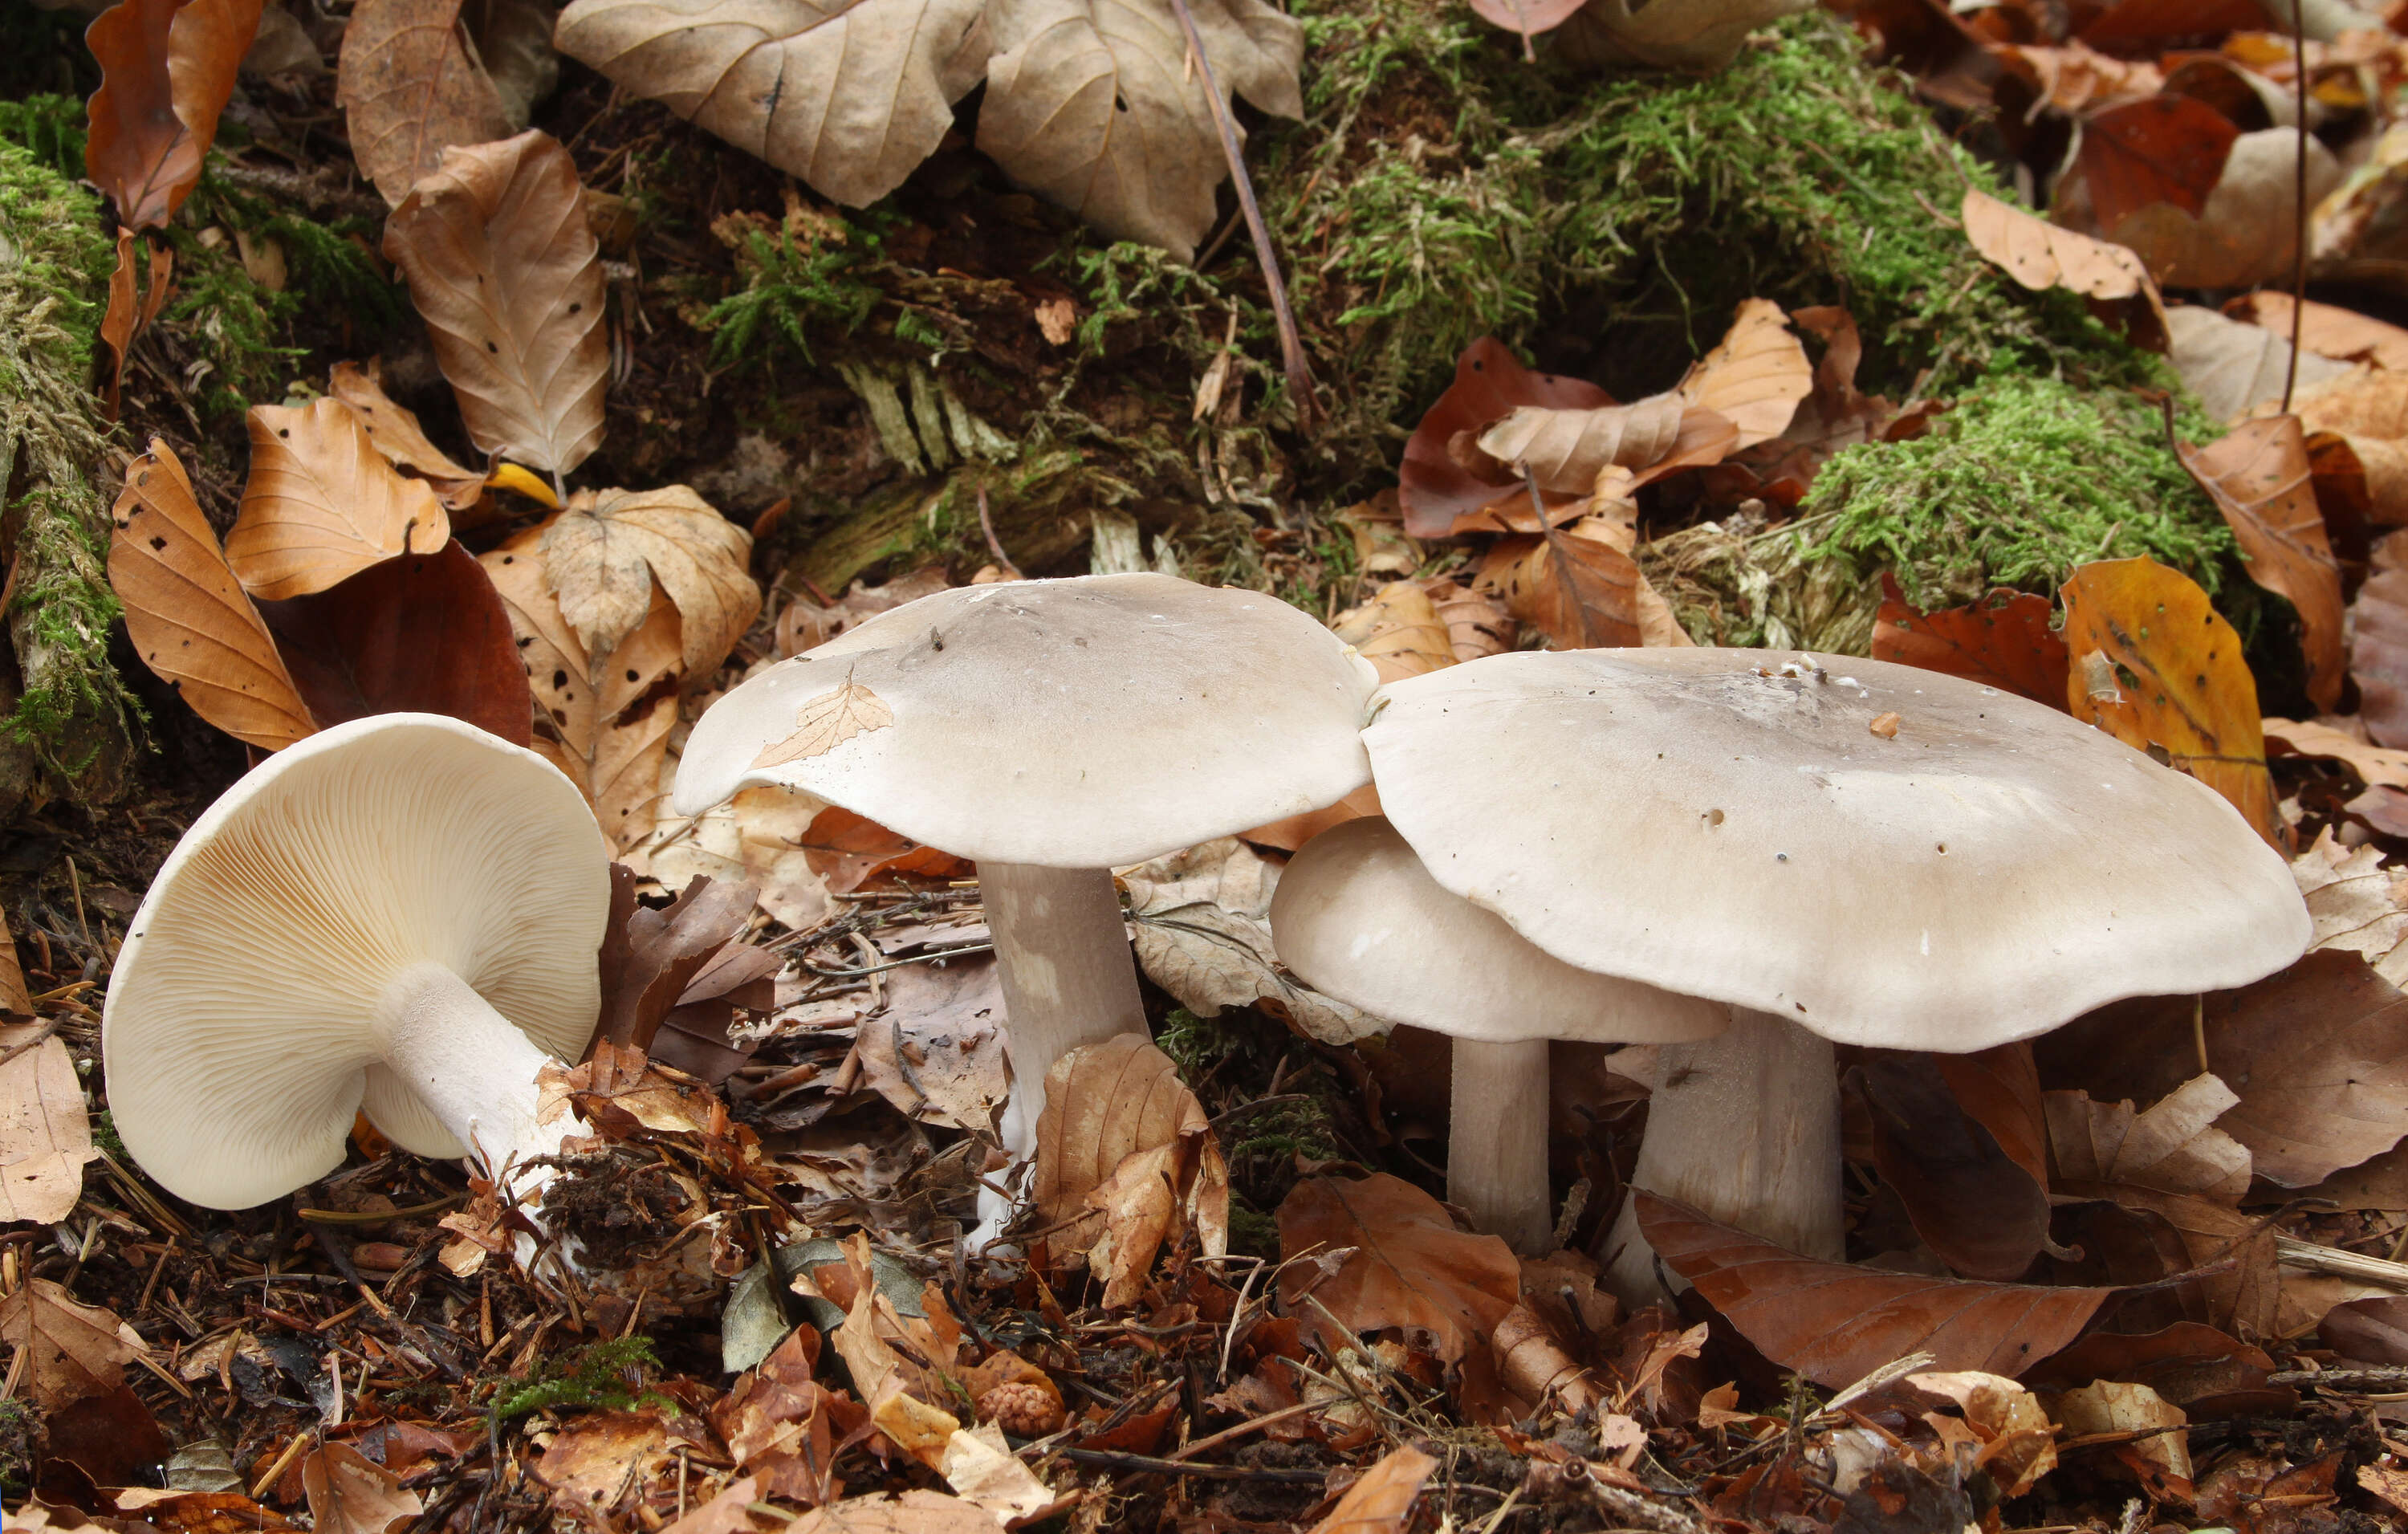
column 2369, row 1331
column 1410, row 1267
column 1982, row 1212
column 2165, row 150
column 1382, row 1502
column 2004, row 640
column 2257, row 476
column 421, row 634
column 1835, row 1324
column 648, row 955
column 1581, row 593
column 1999, row 1090
column 2378, row 654
column 1489, row 382
column 166, row 69
column 2204, row 1371
column 849, row 852
column 409, row 89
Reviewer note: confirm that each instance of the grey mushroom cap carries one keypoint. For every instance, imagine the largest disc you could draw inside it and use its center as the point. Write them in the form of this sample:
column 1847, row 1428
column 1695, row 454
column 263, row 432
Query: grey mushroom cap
column 1683, row 818
column 1358, row 917
column 1070, row 723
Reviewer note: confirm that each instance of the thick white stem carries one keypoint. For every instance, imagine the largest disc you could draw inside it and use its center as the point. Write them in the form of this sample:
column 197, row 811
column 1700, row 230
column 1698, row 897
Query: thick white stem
column 1745, row 1128
column 1069, row 978
column 1497, row 1141
column 473, row 1067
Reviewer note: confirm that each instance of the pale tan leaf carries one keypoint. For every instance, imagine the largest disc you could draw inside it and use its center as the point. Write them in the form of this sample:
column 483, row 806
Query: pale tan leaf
column 827, row 721
column 606, row 549
column 1399, row 631
column 409, row 89
column 905, row 1513
column 1121, row 1135
column 1566, row 449
column 847, row 94
column 506, row 274
column 2233, row 367
column 322, row 504
column 1203, row 934
column 45, row 1129
column 1757, row 374
column 2043, row 255
column 2111, row 1407
column 187, row 616
column 2357, row 904
column 397, row 434
column 1095, row 105
column 349, row 1492
column 2173, row 1146
column 77, row 1350
column 1381, row 1501
column 980, row 1465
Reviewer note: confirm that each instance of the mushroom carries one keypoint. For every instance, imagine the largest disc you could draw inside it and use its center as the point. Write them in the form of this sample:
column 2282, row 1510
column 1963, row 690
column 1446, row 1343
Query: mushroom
column 1051, row 730
column 397, row 915
column 1731, row 823
column 1358, row 917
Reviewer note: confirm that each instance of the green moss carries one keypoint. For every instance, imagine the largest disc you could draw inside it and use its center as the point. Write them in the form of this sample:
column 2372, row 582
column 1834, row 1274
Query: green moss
column 51, row 126
column 605, row 1376
column 801, row 276
column 20, row 1438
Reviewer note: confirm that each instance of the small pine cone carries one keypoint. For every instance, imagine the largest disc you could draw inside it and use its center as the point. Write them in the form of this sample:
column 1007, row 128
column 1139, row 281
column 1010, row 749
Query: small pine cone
column 1023, row 1411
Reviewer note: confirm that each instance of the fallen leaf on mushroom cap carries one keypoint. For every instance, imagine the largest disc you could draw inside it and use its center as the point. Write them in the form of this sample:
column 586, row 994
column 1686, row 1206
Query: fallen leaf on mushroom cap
column 2234, row 368
column 2174, row 1145
column 352, row 1494
column 189, row 618
column 2257, row 476
column 1407, row 1266
column 1125, row 1158
column 72, row 1350
column 606, row 551
column 2004, row 640
column 1835, row 1324
column 45, row 1127
column 410, row 86
column 322, row 504
column 508, row 279
column 398, row 436
column 1699, row 35
column 2154, row 665
column 1203, row 934
column 166, row 70
column 2357, row 904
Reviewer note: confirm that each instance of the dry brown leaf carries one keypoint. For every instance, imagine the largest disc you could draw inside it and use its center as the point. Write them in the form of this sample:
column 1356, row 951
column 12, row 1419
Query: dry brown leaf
column 2246, row 231
column 2043, row 255
column 806, row 625
column 1755, row 376
column 1583, row 592
column 2004, row 640
column 1475, row 626
column 1407, row 1265
column 322, row 504
column 937, row 1051
column 1381, row 1501
column 1978, row 1208
column 2378, row 651
column 1697, row 35
column 905, row 1513
column 187, row 616
column 410, row 86
column 2257, row 476
column 397, row 434
column 2374, row 765
column 2155, row 664
column 882, row 1376
column 2368, row 411
column 1435, row 491
column 1122, row 1135
column 1566, row 451
column 1203, row 934
column 2233, row 367
column 827, row 721
column 506, row 274
column 983, row 1469
column 1094, row 104
column 2112, row 1409
column 2077, row 77
column 45, row 1129
column 166, row 70
column 1399, row 631
column 2173, row 1146
column 349, row 1492
column 2327, row 330
column 606, row 550
column 77, row 1350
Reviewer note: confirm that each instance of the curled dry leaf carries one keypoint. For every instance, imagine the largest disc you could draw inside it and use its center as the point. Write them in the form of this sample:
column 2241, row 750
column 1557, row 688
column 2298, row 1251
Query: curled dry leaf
column 411, row 88
column 420, row 634
column 397, row 434
column 349, row 1492
column 1699, row 35
column 45, row 1128
column 1399, row 631
column 2326, row 1082
column 848, row 851
column 322, row 504
column 2004, row 640
column 1581, row 592
column 1203, row 934
column 1982, row 1211
column 2245, row 233
column 2257, row 476
column 2173, row 1146
column 2327, row 330
column 2043, row 255
column 936, row 1052
column 1381, row 1501
column 1755, row 376
column 1835, row 1324
column 70, row 1351
column 166, row 70
column 1566, row 451
column 1125, row 1157
column 2357, row 904
column 1408, row 1267
column 187, row 614
column 506, row 274
column 606, row 550
column 1433, row 488
column 2368, row 410
column 2154, row 665
column 2112, row 1409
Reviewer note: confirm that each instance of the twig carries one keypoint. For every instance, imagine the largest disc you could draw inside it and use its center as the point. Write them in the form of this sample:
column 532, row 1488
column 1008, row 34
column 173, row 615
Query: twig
column 1148, row 1464
column 993, row 544
column 1299, row 375
column 2384, row 1378
column 1250, row 1425
column 2311, row 1258
column 2298, row 200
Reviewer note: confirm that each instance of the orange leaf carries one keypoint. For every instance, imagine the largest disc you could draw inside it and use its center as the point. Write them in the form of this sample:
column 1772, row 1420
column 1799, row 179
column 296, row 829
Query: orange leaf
column 397, row 434
column 166, row 70
column 322, row 504
column 1581, row 593
column 1382, row 1502
column 2004, row 640
column 2154, row 665
column 1410, row 1267
column 850, row 851
column 1835, row 1324
column 2259, row 477
column 2168, row 149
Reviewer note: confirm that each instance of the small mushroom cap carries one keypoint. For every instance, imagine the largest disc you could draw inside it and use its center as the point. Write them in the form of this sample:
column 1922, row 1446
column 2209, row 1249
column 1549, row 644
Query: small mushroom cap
column 1681, row 818
column 1073, row 723
column 237, row 1037
column 1360, row 918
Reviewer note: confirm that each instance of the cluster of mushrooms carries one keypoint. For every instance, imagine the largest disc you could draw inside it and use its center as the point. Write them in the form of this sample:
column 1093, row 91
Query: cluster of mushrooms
column 1740, row 857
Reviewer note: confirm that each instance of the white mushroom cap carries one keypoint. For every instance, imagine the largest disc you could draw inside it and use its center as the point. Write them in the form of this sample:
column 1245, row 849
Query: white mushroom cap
column 1680, row 818
column 1082, row 722
column 238, row 1038
column 1358, row 917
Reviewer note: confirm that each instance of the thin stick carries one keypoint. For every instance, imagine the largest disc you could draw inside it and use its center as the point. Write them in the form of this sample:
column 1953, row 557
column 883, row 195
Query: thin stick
column 1299, row 376
column 2198, row 1031
column 2299, row 202
column 994, row 545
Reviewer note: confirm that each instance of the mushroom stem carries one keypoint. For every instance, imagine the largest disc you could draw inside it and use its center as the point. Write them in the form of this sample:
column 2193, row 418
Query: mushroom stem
column 1497, row 1143
column 473, row 1068
column 1062, row 953
column 1745, row 1128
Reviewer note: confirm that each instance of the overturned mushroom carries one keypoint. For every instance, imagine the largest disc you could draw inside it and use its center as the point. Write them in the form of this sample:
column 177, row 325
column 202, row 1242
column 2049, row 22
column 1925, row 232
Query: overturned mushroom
column 397, row 915
column 1727, row 823
column 1052, row 730
column 1359, row 917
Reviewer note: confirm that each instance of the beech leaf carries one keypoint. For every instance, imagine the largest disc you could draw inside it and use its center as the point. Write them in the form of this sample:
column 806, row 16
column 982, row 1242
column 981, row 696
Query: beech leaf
column 77, row 1350
column 2005, row 640
column 1123, row 1148
column 1433, row 489
column 1835, row 1324
column 322, row 504
column 166, row 70
column 2257, row 476
column 607, row 550
column 506, row 274
column 1755, row 376
column 1202, row 916
column 1381, row 1501
column 349, row 1492
column 2173, row 1146
column 2043, row 255
column 1410, row 1266
column 411, row 89
column 188, row 617
column 45, row 1128
column 403, row 441
column 1566, row 449
column 827, row 721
